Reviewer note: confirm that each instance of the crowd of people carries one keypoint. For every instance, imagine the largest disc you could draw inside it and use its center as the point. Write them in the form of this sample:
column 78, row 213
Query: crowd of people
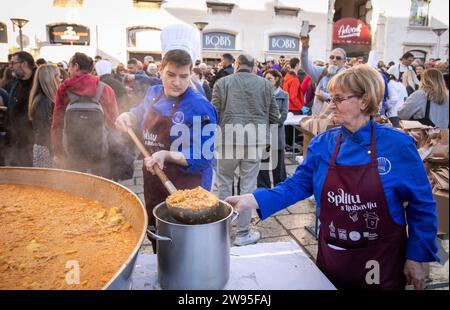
column 75, row 115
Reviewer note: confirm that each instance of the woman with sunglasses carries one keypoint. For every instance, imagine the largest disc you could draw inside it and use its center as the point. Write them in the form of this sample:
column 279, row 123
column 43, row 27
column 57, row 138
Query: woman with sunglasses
column 321, row 75
column 361, row 174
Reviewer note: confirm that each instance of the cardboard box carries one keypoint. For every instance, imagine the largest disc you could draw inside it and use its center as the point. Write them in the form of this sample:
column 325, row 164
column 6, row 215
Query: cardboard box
column 441, row 198
column 408, row 125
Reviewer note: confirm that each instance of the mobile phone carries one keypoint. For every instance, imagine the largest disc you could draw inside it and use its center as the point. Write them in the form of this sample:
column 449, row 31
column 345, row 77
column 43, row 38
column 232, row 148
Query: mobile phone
column 305, row 29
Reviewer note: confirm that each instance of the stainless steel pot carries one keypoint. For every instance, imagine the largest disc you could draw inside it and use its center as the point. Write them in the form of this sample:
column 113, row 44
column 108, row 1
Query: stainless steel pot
column 193, row 257
column 108, row 192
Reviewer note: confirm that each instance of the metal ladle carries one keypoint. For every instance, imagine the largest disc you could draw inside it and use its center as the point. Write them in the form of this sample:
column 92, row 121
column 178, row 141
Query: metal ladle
column 184, row 215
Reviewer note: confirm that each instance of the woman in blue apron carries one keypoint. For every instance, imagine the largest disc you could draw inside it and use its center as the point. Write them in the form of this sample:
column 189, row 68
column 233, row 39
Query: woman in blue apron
column 177, row 125
column 361, row 174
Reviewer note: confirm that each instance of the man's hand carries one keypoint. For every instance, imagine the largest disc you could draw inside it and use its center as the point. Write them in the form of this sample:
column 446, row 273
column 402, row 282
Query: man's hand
column 125, row 120
column 320, row 95
column 158, row 158
column 415, row 274
column 129, row 77
column 305, row 42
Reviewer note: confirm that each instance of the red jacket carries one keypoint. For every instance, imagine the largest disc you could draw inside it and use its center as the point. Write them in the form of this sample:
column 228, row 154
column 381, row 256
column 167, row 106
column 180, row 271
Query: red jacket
column 86, row 85
column 292, row 86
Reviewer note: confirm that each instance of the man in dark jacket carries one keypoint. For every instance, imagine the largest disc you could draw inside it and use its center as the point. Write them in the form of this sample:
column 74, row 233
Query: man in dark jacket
column 23, row 68
column 227, row 69
column 104, row 71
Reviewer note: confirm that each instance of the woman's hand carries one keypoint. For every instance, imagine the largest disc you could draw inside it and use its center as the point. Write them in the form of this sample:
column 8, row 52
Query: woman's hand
column 158, row 158
column 246, row 201
column 415, row 274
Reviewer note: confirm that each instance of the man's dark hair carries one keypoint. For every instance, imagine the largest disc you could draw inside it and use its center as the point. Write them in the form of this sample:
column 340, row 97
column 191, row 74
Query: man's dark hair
column 132, row 61
column 98, row 57
column 228, row 57
column 407, row 55
column 293, row 62
column 246, row 60
column 276, row 74
column 41, row 61
column 391, row 63
column 25, row 57
column 84, row 62
column 179, row 58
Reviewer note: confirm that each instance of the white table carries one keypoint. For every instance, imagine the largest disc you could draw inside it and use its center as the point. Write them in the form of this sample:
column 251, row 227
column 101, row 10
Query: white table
column 293, row 120
column 262, row 266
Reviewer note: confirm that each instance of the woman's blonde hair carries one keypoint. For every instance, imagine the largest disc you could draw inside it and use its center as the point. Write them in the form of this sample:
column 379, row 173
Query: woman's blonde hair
column 408, row 79
column 44, row 83
column 432, row 83
column 362, row 81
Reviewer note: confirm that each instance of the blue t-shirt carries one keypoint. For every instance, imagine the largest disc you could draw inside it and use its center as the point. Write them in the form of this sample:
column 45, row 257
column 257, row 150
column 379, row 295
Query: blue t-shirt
column 403, row 178
column 195, row 117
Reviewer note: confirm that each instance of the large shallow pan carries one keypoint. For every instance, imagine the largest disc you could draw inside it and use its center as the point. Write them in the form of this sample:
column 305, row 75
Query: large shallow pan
column 93, row 187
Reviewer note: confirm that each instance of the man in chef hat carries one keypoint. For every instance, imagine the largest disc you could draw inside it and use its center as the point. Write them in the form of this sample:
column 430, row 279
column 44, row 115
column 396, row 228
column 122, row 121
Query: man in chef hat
column 166, row 110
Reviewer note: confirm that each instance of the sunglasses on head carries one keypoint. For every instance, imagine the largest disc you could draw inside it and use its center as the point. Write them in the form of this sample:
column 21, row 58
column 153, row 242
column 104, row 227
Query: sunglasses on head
column 337, row 57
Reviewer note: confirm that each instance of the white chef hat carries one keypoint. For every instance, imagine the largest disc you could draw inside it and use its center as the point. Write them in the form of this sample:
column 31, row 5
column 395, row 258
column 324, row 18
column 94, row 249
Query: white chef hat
column 103, row 67
column 181, row 37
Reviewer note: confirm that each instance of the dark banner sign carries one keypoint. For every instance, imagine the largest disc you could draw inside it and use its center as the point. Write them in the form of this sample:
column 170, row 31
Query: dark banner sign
column 70, row 34
column 3, row 33
column 283, row 43
column 350, row 31
column 219, row 41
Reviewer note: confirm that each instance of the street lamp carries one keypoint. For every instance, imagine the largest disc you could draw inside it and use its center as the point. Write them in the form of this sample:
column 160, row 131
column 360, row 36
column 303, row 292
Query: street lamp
column 19, row 22
column 200, row 26
column 439, row 32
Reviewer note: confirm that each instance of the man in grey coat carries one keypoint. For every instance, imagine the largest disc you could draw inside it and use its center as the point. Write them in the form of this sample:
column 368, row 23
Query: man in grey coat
column 245, row 105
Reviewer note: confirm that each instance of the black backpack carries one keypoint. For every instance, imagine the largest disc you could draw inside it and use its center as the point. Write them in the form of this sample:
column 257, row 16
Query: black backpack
column 85, row 136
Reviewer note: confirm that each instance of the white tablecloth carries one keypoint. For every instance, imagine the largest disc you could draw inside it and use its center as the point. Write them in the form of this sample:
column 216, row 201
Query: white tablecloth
column 262, row 266
column 293, row 119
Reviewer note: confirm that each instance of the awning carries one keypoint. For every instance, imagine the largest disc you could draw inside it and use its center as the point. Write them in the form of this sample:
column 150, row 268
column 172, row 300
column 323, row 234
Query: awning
column 350, row 31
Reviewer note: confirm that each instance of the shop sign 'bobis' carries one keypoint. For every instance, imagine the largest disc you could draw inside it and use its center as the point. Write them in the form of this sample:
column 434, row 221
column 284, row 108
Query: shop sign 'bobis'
column 219, row 40
column 283, row 43
column 69, row 34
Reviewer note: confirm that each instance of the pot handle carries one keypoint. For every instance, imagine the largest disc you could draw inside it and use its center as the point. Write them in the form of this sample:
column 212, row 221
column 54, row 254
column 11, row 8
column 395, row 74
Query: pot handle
column 157, row 237
column 235, row 217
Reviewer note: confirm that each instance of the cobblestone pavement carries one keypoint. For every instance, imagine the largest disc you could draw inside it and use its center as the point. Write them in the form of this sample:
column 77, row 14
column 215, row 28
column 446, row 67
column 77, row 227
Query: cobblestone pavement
column 290, row 224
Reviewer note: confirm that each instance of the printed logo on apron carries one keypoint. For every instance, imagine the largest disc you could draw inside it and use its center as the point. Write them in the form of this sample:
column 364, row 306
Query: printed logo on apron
column 350, row 203
column 151, row 139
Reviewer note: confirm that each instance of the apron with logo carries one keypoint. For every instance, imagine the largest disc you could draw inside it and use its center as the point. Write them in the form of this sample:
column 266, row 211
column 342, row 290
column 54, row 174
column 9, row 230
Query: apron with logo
column 360, row 246
column 156, row 135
